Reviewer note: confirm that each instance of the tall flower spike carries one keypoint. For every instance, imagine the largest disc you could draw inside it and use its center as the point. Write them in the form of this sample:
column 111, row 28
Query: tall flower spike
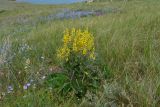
column 77, row 41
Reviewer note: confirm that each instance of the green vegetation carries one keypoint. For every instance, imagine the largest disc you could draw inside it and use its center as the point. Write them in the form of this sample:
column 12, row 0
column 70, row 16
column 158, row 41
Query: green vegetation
column 126, row 39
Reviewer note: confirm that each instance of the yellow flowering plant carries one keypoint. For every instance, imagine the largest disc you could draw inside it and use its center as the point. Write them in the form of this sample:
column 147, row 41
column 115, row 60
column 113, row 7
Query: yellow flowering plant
column 77, row 42
column 77, row 55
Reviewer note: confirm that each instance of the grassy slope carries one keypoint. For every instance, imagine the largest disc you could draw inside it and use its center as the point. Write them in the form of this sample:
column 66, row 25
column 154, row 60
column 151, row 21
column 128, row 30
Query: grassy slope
column 127, row 42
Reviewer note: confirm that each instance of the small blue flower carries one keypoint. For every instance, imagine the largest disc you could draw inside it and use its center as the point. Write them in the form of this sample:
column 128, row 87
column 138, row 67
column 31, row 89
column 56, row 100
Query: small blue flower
column 25, row 87
column 10, row 89
column 28, row 84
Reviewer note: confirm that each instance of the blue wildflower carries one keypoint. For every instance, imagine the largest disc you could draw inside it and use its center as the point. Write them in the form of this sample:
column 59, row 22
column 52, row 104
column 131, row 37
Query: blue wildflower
column 10, row 89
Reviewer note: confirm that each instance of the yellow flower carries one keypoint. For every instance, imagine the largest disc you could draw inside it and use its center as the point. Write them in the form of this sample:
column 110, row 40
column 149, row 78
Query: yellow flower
column 67, row 37
column 84, row 51
column 63, row 53
column 92, row 56
column 78, row 42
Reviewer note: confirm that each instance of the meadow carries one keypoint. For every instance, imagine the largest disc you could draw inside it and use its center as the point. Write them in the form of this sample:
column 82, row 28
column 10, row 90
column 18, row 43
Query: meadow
column 126, row 40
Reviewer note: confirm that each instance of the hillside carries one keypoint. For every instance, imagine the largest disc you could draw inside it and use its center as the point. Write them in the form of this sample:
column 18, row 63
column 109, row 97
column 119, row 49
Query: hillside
column 124, row 71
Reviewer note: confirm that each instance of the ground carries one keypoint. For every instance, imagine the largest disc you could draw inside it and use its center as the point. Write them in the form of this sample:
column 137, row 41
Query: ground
column 127, row 48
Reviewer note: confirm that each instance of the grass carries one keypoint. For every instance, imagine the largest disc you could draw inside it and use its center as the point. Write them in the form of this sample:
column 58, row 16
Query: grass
column 127, row 47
